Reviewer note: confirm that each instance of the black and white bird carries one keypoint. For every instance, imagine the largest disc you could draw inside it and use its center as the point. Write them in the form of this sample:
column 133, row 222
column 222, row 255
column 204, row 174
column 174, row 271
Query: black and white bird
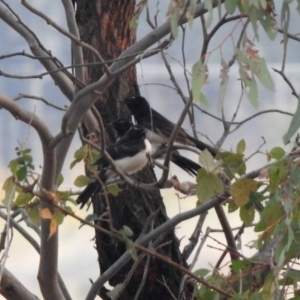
column 122, row 125
column 129, row 153
column 160, row 126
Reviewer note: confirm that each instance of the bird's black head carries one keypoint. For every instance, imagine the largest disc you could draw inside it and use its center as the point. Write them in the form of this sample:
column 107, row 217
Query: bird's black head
column 138, row 105
column 121, row 126
column 136, row 132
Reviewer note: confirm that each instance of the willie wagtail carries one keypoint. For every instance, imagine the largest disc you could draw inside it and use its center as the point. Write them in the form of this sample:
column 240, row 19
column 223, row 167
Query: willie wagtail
column 122, row 125
column 129, row 154
column 160, row 126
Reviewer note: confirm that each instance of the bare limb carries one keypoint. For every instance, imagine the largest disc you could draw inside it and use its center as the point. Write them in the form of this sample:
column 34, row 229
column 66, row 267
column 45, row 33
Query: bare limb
column 67, row 34
column 237, row 236
column 282, row 74
column 146, row 267
column 291, row 36
column 12, row 289
column 20, row 96
column 60, row 78
column 21, row 114
column 188, row 249
column 77, row 55
column 49, row 246
column 30, row 239
column 227, row 232
column 195, row 258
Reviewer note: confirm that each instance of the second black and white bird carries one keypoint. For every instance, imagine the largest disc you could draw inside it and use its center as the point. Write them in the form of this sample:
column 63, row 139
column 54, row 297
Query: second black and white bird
column 122, row 125
column 129, row 154
column 160, row 126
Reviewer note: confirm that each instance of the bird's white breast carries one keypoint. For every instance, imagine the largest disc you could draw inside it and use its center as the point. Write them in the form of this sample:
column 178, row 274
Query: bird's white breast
column 133, row 163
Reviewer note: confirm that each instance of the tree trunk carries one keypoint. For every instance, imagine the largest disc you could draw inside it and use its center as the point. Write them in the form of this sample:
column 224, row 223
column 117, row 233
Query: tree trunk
column 105, row 25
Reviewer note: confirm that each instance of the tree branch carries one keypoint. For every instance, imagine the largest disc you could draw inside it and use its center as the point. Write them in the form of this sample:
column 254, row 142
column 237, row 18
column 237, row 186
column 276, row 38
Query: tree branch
column 12, row 289
column 60, row 78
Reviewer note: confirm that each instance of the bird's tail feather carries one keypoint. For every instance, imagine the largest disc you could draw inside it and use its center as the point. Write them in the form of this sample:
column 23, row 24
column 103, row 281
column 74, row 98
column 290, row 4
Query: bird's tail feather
column 87, row 193
column 186, row 164
column 202, row 146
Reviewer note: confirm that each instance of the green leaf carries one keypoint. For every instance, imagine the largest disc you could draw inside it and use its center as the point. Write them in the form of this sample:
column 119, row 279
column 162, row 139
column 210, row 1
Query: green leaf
column 241, row 190
column 74, row 162
column 241, row 146
column 295, row 124
column 21, row 173
column 271, row 214
column 230, row 6
column 174, row 22
column 206, row 160
column 285, row 20
column 208, row 185
column 202, row 272
column 251, row 90
column 252, row 13
column 91, row 218
column 292, row 276
column 249, row 81
column 63, row 195
column 13, row 165
column 247, row 215
column 60, row 179
column 243, row 7
column 27, row 158
column 82, row 181
column 25, row 151
column 191, row 12
column 80, row 153
column 126, row 231
column 9, row 188
column 263, row 4
column 260, row 69
column 276, row 153
column 20, row 160
column 23, row 198
column 224, row 82
column 209, row 7
column 134, row 21
column 113, row 189
column 240, row 266
column 70, row 200
column 255, row 200
column 232, row 206
column 33, row 213
column 298, row 6
column 131, row 249
column 233, row 163
column 199, row 77
column 59, row 216
column 268, row 24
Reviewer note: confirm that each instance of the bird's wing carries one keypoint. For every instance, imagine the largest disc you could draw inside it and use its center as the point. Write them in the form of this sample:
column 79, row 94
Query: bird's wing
column 123, row 150
column 164, row 127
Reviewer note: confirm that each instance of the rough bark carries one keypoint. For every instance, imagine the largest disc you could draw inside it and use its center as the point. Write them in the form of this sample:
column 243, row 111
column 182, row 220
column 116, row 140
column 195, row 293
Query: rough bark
column 105, row 25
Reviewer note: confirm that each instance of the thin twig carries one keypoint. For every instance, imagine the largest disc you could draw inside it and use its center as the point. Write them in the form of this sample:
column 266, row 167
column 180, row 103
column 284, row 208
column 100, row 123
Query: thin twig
column 20, row 96
column 67, row 34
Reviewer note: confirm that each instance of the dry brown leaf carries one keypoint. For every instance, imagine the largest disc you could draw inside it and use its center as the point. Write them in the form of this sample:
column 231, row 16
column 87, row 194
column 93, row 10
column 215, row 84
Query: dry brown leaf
column 53, row 228
column 45, row 213
column 53, row 196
